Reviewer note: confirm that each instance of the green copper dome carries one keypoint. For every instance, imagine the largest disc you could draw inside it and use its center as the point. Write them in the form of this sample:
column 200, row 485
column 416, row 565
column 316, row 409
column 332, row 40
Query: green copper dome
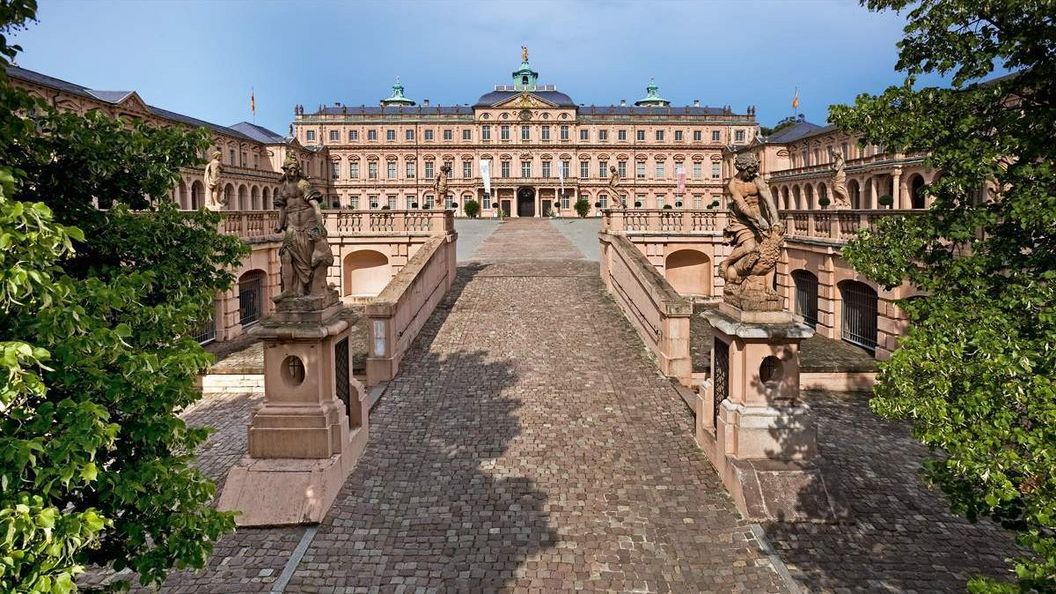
column 652, row 97
column 397, row 96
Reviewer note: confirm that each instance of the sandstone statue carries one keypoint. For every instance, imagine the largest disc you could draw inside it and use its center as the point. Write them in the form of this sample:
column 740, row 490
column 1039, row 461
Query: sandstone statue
column 305, row 253
column 840, row 196
column 618, row 199
column 214, row 192
column 440, row 186
column 756, row 233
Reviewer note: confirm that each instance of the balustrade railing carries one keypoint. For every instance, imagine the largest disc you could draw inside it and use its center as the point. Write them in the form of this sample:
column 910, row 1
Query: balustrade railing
column 680, row 221
column 258, row 224
column 834, row 225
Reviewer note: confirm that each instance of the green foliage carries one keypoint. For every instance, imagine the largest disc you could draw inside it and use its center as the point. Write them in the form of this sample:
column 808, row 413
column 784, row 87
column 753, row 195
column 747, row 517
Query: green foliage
column 976, row 371
column 472, row 208
column 824, row 201
column 95, row 326
column 885, row 200
column 582, row 208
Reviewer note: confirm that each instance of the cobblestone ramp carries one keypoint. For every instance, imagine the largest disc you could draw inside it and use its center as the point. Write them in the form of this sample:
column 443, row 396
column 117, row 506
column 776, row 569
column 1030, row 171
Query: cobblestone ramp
column 529, row 445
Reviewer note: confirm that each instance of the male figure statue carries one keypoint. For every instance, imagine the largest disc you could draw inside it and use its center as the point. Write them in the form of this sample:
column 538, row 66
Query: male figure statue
column 614, row 188
column 215, row 193
column 305, row 253
column 839, row 181
column 754, row 228
column 440, row 186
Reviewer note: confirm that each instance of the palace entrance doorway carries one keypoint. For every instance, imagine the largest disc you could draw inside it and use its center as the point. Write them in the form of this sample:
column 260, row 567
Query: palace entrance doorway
column 526, row 202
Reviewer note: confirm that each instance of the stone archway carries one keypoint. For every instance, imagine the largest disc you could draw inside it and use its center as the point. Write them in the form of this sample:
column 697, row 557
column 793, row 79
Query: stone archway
column 526, row 202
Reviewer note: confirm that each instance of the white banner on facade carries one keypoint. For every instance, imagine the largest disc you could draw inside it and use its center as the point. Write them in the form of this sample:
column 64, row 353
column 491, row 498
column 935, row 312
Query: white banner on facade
column 561, row 175
column 485, row 173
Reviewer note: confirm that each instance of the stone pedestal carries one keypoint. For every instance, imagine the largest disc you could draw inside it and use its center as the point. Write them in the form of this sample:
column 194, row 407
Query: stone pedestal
column 312, row 427
column 753, row 426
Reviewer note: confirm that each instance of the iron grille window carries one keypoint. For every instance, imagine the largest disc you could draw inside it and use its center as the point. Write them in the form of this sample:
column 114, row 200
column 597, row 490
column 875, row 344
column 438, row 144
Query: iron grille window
column 859, row 314
column 344, row 392
column 250, row 299
column 206, row 332
column 721, row 389
column 806, row 296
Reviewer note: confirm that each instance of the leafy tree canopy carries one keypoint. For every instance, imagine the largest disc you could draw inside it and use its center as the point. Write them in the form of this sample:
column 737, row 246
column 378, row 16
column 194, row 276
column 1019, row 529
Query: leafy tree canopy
column 976, row 370
column 97, row 311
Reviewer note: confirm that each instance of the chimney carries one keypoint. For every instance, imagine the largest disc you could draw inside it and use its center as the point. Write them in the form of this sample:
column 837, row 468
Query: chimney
column 623, row 103
column 696, row 103
column 425, row 103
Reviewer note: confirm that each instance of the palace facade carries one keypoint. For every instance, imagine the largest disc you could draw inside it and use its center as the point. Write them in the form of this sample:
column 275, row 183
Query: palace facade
column 543, row 150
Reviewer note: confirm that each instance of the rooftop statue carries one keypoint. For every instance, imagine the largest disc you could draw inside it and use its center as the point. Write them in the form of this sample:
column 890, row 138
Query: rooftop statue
column 524, row 53
column 756, row 234
column 839, row 181
column 305, row 253
column 440, row 185
column 214, row 193
column 618, row 199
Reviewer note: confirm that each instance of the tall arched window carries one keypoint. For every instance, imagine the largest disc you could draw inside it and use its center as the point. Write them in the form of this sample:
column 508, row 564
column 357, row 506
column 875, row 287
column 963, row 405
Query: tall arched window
column 859, row 314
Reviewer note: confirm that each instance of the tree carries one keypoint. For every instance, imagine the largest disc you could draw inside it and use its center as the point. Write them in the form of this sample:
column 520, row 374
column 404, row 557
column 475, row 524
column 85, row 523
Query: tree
column 582, row 208
column 472, row 208
column 95, row 339
column 976, row 370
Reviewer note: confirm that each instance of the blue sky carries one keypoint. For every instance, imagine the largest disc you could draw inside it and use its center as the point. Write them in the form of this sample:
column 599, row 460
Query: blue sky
column 202, row 58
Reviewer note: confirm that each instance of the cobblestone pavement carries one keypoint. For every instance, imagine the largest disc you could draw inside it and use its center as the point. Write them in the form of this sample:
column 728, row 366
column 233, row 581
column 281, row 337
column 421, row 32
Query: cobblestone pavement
column 583, row 233
column 472, row 233
column 902, row 536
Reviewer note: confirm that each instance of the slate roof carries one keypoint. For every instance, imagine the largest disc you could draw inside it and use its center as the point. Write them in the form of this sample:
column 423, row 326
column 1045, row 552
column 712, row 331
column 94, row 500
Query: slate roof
column 556, row 97
column 395, row 110
column 798, row 131
column 258, row 133
column 116, row 97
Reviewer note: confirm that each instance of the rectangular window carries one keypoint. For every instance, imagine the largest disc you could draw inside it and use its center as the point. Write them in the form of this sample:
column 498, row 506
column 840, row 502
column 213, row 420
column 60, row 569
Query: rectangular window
column 716, row 170
column 335, row 135
column 716, row 135
column 390, row 170
column 846, row 152
column 487, row 202
column 467, row 135
column 660, row 199
column 353, row 202
column 565, row 200
column 243, row 162
column 372, row 170
column 390, row 136
column 603, row 200
column 603, row 135
column 412, row 169
column 639, row 200
column 564, row 132
column 621, row 135
column 429, row 135
column 566, row 169
column 659, row 135
column 504, row 132
column 584, row 134
column 372, row 135
column 526, row 169
column 392, row 202
column 546, row 168
column 429, row 171
column 449, row 135
column 698, row 201
column 372, row 201
column 584, row 169
column 353, row 135
column 621, row 168
column 738, row 136
column 698, row 170
column 660, row 170
column 698, row 136
column 546, row 133
column 526, row 133
column 603, row 169
column 353, row 170
column 678, row 136
column 485, row 132
column 308, row 135
column 504, row 168
column 335, row 169
column 408, row 135
column 639, row 170
column 640, row 135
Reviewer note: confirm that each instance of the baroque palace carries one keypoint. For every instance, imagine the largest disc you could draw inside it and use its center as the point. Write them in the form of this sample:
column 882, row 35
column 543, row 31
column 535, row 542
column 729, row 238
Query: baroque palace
column 526, row 149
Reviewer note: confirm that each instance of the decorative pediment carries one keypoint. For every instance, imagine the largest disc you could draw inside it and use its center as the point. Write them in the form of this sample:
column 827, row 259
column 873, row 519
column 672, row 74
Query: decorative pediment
column 467, row 157
column 621, row 157
column 391, row 158
column 716, row 158
column 372, row 157
column 565, row 156
column 641, row 158
column 603, row 156
column 698, row 158
column 782, row 152
column 546, row 156
column 526, row 156
column 448, row 157
column 679, row 157
column 505, row 157
column 485, row 157
column 526, row 101
column 428, row 157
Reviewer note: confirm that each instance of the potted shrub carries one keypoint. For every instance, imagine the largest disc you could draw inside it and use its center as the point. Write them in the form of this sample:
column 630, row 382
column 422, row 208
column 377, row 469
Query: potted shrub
column 414, row 205
column 824, row 202
column 714, row 204
column 637, row 204
column 886, row 200
column 678, row 204
column 472, row 209
column 582, row 208
column 667, row 207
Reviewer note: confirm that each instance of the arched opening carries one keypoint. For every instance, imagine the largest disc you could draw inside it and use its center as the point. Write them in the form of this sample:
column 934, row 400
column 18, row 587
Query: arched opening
column 823, row 192
column 229, row 197
column 859, row 314
column 526, row 202
column 243, row 198
column 366, row 272
column 251, row 297
column 868, row 198
column 806, row 300
column 795, row 198
column 197, row 195
column 182, row 198
column 916, row 191
column 266, row 198
column 854, row 191
column 255, row 198
column 808, row 192
column 689, row 272
column 784, row 197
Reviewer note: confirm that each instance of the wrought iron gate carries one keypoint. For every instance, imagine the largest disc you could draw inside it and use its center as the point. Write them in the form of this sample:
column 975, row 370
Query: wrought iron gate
column 806, row 296
column 859, row 314
column 341, row 377
column 721, row 382
column 250, row 305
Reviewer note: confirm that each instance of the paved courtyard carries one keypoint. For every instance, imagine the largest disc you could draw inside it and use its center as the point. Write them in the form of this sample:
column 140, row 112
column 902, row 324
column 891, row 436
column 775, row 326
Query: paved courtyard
column 529, row 445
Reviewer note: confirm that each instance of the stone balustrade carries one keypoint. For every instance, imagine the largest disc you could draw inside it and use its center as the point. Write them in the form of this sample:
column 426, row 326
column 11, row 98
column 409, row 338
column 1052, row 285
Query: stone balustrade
column 670, row 221
column 258, row 224
column 833, row 225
